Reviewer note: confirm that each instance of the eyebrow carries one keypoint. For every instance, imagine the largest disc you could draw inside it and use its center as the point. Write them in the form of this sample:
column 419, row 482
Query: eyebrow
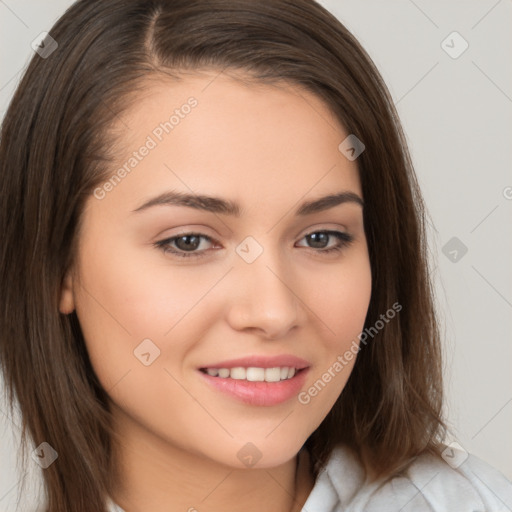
column 226, row 207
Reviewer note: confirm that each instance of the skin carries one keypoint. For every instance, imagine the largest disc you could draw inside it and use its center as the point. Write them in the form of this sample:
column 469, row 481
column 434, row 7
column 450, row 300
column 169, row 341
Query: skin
column 269, row 148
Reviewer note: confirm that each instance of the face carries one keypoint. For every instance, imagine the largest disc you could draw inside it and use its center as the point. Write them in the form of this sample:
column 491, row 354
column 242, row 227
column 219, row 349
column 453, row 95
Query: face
column 218, row 326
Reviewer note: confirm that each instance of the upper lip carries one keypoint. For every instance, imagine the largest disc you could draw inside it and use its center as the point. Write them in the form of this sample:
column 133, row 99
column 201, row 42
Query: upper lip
column 283, row 360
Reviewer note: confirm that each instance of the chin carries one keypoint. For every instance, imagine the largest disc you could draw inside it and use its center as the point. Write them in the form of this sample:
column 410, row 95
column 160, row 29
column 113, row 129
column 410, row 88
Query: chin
column 260, row 453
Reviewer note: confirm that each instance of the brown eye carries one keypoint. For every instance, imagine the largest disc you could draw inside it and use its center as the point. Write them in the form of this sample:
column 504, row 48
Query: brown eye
column 320, row 239
column 187, row 242
column 184, row 245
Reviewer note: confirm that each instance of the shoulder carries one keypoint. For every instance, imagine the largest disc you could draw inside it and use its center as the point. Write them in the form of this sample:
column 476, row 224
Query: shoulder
column 431, row 483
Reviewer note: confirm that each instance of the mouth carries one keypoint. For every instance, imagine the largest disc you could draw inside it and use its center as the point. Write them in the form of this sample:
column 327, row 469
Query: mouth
column 262, row 381
column 253, row 374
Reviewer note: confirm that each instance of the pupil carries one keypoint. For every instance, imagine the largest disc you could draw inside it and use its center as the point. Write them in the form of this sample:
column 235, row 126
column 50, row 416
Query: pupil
column 319, row 237
column 192, row 242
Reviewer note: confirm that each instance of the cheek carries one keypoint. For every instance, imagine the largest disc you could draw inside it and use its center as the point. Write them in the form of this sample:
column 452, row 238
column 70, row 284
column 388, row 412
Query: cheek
column 340, row 300
column 123, row 301
column 135, row 296
column 342, row 304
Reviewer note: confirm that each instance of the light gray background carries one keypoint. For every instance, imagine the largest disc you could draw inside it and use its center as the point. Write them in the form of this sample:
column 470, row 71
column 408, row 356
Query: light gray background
column 457, row 115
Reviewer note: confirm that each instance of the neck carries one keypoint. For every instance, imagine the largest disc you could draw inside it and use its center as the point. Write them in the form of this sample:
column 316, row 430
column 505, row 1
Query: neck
column 152, row 475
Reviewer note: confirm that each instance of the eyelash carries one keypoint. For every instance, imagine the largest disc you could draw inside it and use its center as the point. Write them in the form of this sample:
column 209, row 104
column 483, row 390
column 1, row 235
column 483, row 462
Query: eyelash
column 164, row 245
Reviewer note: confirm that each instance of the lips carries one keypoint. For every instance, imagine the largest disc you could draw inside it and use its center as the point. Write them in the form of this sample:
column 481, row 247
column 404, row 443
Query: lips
column 262, row 362
column 258, row 380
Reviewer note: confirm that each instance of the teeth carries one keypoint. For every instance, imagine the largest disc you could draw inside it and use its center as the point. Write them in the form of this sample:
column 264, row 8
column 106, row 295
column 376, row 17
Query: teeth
column 272, row 374
column 238, row 373
column 253, row 374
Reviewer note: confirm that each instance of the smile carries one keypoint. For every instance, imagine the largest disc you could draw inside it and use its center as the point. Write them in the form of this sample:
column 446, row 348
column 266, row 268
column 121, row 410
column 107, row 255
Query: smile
column 253, row 374
column 257, row 380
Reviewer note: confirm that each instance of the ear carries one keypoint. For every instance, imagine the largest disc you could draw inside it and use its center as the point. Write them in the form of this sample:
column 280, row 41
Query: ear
column 67, row 300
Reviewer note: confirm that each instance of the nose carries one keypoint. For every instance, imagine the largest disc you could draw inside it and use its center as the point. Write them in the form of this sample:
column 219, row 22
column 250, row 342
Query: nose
column 265, row 298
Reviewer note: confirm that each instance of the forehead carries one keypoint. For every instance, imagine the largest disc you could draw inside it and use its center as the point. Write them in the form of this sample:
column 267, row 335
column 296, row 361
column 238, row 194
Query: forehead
column 215, row 134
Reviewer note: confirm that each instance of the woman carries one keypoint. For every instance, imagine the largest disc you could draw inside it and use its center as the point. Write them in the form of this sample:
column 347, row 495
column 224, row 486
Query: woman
column 214, row 266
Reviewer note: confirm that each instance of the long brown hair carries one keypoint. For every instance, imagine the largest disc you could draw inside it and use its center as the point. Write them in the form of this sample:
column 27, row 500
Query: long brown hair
column 54, row 150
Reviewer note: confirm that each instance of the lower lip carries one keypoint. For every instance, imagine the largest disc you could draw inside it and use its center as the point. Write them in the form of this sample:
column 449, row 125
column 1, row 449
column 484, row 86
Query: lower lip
column 259, row 393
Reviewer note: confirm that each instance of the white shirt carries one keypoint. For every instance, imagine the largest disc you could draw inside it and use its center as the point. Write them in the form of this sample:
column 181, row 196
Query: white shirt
column 429, row 484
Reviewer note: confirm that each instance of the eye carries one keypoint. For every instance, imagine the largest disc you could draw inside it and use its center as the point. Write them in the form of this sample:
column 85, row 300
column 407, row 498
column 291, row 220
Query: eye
column 186, row 244
column 320, row 238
